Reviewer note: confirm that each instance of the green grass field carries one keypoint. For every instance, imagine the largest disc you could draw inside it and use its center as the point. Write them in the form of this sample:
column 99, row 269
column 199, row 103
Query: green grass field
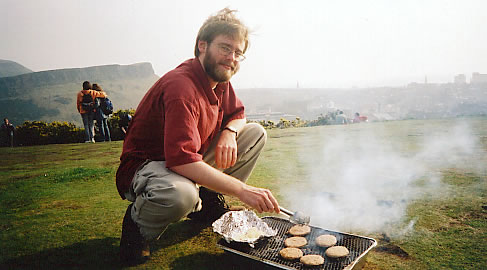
column 59, row 207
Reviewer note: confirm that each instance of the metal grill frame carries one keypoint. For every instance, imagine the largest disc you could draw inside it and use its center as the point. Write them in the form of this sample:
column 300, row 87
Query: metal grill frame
column 266, row 250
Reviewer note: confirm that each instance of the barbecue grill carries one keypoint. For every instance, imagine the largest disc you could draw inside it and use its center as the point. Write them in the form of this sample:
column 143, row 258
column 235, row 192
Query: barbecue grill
column 266, row 250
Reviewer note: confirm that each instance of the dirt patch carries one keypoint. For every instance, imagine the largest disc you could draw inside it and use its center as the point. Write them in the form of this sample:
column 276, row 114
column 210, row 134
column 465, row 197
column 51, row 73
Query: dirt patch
column 393, row 250
column 63, row 205
column 386, row 246
column 475, row 214
column 110, row 163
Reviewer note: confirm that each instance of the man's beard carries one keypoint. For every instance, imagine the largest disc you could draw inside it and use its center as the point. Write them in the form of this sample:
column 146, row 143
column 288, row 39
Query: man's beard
column 215, row 71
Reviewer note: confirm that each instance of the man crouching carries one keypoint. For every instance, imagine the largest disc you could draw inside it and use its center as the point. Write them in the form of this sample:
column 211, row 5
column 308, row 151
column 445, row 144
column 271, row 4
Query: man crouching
column 189, row 143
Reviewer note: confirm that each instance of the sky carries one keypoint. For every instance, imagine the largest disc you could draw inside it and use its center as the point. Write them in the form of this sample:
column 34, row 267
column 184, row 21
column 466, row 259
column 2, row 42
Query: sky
column 306, row 44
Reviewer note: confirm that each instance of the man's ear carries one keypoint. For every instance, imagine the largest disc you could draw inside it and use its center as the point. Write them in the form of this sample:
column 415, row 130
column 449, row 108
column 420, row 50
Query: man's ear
column 202, row 46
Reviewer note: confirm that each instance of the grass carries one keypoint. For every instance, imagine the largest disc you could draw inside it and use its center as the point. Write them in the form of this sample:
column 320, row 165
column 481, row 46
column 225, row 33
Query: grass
column 59, row 207
column 452, row 231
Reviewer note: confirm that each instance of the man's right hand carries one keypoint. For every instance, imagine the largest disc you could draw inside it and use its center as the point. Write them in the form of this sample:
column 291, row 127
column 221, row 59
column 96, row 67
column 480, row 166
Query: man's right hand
column 260, row 199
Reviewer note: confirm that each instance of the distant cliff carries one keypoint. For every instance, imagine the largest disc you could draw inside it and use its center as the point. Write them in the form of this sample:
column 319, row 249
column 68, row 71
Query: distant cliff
column 10, row 68
column 18, row 85
column 51, row 95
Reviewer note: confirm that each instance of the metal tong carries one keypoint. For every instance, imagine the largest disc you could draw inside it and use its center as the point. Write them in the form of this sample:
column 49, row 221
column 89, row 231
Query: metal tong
column 295, row 217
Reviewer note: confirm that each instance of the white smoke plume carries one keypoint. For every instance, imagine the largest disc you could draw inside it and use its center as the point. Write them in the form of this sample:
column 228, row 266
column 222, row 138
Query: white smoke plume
column 363, row 177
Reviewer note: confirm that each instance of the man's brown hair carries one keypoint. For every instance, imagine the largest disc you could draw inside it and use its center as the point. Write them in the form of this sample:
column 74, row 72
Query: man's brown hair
column 86, row 85
column 223, row 23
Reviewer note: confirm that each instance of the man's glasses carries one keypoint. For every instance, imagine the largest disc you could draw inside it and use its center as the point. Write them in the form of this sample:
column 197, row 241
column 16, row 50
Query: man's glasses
column 226, row 51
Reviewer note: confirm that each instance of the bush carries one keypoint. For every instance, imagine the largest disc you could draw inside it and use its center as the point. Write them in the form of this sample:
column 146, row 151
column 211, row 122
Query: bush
column 40, row 133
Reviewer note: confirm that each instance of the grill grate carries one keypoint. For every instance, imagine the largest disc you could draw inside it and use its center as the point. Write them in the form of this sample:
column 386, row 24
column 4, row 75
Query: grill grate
column 267, row 250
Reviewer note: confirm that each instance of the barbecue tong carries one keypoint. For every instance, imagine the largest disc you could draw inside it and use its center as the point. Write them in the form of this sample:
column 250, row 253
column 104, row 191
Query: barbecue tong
column 295, row 217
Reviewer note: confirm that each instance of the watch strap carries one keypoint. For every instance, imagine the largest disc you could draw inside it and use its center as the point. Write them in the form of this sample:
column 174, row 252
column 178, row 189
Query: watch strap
column 232, row 129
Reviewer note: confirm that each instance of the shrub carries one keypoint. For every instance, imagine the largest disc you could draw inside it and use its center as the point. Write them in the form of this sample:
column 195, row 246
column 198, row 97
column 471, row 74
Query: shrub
column 40, row 133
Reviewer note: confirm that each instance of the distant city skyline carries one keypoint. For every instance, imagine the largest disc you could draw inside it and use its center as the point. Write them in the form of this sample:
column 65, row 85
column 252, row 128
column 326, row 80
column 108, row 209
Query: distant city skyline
column 313, row 44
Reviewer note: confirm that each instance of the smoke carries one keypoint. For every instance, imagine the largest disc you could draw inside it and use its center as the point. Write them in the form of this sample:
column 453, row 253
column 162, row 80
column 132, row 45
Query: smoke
column 363, row 177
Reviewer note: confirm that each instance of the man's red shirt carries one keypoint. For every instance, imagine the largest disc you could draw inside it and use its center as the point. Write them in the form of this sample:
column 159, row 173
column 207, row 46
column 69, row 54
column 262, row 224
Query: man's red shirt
column 176, row 121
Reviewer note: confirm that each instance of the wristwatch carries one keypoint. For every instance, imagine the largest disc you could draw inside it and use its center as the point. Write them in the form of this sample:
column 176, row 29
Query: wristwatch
column 232, row 129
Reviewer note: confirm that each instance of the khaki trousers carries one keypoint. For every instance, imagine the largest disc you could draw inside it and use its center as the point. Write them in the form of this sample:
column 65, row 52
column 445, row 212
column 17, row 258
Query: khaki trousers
column 162, row 197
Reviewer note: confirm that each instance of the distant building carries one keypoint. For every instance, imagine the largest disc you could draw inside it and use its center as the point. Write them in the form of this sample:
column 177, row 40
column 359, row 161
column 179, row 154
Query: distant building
column 460, row 79
column 478, row 78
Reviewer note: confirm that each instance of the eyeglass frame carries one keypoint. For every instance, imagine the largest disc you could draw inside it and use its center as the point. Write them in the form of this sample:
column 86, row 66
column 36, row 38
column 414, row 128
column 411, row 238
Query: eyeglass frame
column 225, row 50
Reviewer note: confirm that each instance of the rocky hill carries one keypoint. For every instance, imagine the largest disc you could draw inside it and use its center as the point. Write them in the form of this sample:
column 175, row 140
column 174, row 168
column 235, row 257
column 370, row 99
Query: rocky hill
column 11, row 68
column 51, row 95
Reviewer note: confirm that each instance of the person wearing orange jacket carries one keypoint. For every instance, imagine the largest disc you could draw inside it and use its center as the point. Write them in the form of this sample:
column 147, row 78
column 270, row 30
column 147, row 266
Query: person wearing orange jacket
column 86, row 107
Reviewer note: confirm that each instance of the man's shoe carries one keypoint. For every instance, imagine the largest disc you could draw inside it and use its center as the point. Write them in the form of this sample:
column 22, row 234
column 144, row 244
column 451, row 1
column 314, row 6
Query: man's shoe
column 213, row 207
column 134, row 249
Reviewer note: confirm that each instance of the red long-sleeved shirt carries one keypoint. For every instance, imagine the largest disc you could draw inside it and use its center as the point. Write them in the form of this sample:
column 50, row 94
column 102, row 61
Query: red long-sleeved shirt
column 176, row 120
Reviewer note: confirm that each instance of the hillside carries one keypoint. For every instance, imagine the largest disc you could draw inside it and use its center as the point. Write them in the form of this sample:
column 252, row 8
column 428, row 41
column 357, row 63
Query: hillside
column 10, row 68
column 51, row 95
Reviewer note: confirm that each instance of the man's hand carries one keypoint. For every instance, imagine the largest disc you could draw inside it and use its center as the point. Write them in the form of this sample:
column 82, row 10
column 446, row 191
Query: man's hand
column 200, row 172
column 260, row 199
column 226, row 150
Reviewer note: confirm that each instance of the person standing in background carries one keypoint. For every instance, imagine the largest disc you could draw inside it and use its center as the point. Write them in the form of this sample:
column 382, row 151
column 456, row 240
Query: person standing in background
column 100, row 117
column 85, row 103
column 356, row 119
column 341, row 119
column 124, row 123
column 7, row 133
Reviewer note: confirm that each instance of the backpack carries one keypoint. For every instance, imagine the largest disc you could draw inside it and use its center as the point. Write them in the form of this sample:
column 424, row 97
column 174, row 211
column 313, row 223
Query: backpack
column 106, row 106
column 87, row 102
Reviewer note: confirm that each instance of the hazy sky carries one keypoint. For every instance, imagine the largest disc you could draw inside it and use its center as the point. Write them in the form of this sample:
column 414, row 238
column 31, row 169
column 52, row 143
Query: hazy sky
column 317, row 44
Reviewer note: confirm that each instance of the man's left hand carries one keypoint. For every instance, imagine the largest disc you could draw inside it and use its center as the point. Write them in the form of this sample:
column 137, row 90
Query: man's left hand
column 226, row 150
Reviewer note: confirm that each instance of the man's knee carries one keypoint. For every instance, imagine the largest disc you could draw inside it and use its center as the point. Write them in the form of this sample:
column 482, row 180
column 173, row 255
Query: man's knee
column 169, row 203
column 256, row 130
column 184, row 198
